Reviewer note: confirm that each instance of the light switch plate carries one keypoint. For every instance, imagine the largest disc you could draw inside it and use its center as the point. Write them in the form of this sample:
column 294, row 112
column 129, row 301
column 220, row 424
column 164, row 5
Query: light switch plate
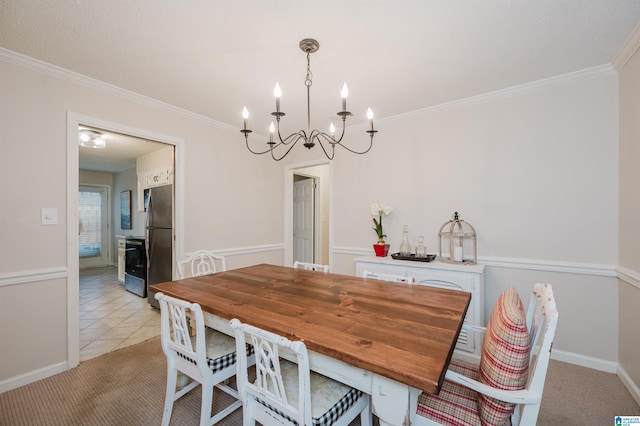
column 49, row 216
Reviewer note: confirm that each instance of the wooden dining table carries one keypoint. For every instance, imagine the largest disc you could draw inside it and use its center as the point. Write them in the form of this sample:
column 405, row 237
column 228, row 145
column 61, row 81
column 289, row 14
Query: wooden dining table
column 390, row 340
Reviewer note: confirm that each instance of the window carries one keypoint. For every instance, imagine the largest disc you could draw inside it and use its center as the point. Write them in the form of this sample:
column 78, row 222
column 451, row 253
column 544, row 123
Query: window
column 90, row 224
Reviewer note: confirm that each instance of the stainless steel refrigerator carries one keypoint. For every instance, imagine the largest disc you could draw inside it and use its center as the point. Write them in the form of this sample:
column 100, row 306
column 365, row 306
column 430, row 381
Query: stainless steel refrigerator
column 159, row 236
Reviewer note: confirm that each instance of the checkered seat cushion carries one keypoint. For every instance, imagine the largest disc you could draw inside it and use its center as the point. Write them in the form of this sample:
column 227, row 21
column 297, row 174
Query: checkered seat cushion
column 329, row 399
column 221, row 350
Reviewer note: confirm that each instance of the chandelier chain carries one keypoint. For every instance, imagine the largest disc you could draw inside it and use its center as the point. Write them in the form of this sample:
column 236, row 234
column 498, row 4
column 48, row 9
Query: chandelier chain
column 308, row 79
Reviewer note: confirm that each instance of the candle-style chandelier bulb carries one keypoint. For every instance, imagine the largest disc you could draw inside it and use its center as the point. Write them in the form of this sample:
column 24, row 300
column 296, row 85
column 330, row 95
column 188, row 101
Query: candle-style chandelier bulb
column 309, row 137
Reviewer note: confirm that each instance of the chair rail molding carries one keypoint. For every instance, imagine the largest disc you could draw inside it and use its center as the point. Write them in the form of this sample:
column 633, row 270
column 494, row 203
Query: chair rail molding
column 519, row 263
column 31, row 276
column 629, row 276
column 239, row 251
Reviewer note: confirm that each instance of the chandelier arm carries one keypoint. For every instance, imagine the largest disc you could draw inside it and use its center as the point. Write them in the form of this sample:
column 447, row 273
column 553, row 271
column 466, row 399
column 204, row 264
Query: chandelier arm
column 286, row 141
column 328, row 137
column 344, row 125
column 287, row 151
column 316, row 135
column 258, row 152
column 274, row 145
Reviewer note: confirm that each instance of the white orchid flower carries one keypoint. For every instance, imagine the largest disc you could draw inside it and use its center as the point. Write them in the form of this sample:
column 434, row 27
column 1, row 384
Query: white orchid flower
column 386, row 208
column 379, row 209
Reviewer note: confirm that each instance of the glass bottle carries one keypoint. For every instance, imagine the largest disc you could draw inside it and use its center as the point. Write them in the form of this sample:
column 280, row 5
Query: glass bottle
column 405, row 247
column 421, row 250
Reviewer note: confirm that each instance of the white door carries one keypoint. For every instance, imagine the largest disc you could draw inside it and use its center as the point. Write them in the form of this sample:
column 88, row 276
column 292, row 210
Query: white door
column 93, row 227
column 303, row 219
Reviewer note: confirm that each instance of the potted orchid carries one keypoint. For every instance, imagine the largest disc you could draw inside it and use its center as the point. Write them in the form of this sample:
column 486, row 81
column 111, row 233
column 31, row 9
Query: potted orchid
column 380, row 209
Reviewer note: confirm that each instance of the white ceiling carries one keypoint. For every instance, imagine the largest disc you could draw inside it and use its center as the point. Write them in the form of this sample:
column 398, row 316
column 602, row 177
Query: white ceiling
column 119, row 155
column 213, row 57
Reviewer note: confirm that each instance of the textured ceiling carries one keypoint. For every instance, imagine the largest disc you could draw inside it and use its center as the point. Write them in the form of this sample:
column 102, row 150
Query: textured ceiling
column 213, row 57
column 119, row 155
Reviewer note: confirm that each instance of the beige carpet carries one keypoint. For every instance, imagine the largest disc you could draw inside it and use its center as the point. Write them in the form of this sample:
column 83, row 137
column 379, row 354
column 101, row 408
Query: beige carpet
column 126, row 387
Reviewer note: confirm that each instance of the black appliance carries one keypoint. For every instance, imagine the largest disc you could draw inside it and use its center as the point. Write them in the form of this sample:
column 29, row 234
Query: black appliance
column 159, row 238
column 135, row 266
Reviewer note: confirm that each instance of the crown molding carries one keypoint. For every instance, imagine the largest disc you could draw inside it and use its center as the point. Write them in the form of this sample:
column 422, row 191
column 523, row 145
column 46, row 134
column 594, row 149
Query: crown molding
column 55, row 71
column 72, row 77
column 559, row 80
column 628, row 48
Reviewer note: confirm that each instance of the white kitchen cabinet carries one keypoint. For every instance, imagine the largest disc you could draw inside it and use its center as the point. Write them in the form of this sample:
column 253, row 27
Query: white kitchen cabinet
column 468, row 278
column 121, row 252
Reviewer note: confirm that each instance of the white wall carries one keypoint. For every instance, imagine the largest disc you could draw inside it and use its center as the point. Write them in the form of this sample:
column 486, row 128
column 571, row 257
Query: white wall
column 535, row 172
column 629, row 307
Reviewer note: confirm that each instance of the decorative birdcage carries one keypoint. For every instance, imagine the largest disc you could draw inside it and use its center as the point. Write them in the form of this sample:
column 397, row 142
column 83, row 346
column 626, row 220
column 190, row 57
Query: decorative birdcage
column 458, row 242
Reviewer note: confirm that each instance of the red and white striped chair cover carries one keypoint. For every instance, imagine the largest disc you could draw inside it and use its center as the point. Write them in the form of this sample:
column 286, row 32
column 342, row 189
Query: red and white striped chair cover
column 491, row 393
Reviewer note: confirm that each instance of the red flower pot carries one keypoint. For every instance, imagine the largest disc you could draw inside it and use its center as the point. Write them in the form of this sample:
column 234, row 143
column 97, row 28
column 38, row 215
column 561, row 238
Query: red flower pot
column 381, row 250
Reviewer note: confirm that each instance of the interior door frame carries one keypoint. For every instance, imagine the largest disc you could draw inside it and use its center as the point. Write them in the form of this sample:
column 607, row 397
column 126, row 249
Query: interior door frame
column 73, row 281
column 289, row 171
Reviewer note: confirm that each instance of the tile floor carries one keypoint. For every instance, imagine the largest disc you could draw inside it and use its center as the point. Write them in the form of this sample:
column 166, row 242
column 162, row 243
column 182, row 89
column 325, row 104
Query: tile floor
column 110, row 316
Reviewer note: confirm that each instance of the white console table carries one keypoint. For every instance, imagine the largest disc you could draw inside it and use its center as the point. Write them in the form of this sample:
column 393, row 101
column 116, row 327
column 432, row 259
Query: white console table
column 468, row 278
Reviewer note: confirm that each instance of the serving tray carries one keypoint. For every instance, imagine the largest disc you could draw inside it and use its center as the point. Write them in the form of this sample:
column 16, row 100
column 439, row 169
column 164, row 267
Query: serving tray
column 413, row 257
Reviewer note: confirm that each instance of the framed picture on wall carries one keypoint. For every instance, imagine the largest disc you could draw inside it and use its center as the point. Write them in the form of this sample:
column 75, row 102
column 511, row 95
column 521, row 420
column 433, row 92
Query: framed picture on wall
column 146, row 199
column 125, row 210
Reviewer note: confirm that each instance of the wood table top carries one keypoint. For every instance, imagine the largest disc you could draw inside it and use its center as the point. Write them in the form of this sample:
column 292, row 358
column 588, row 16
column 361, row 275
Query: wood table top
column 401, row 331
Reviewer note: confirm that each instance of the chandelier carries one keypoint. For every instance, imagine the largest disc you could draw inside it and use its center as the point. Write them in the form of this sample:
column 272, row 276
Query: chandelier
column 327, row 141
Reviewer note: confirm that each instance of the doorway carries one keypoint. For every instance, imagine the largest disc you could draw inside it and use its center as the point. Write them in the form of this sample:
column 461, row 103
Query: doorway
column 307, row 212
column 304, row 219
column 74, row 121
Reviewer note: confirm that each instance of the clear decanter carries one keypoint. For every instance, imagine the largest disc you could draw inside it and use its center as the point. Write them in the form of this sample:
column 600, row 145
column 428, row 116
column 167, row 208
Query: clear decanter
column 421, row 249
column 405, row 247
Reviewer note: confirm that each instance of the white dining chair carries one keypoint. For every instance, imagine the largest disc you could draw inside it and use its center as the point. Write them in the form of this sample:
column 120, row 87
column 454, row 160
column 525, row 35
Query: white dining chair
column 201, row 262
column 288, row 393
column 389, row 277
column 208, row 358
column 310, row 266
column 507, row 385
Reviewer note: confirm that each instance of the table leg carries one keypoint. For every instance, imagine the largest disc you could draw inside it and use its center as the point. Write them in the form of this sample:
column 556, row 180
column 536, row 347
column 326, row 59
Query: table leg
column 394, row 403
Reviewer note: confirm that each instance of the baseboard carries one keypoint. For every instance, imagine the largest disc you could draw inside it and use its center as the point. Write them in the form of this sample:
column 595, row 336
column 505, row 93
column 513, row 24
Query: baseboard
column 633, row 389
column 563, row 356
column 585, row 361
column 32, row 376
